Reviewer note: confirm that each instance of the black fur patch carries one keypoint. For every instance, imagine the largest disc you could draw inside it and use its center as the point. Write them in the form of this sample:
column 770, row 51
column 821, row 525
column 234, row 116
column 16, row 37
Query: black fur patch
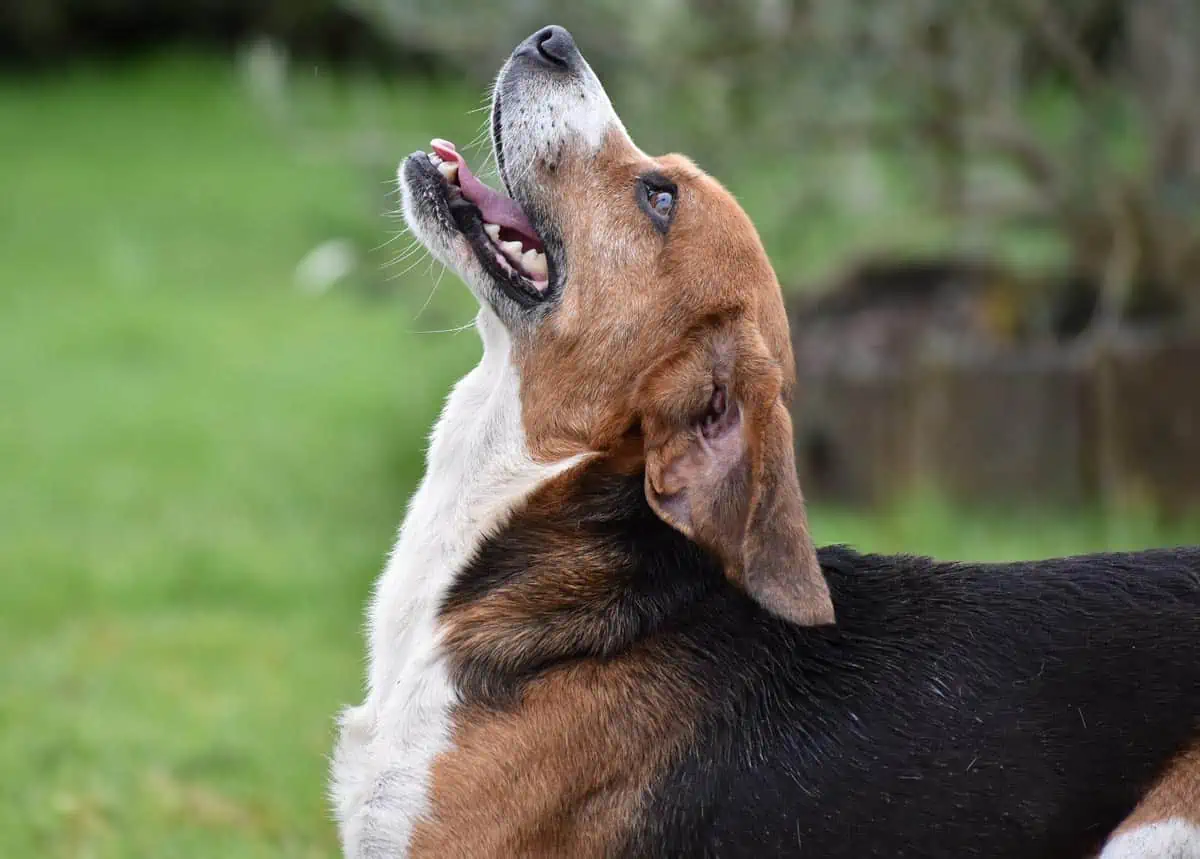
column 955, row 710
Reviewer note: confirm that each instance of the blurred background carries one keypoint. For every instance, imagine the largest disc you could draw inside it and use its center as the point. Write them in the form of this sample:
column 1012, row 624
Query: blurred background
column 220, row 355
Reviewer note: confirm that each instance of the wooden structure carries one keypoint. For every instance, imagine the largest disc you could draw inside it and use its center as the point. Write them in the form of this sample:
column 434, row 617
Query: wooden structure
column 961, row 410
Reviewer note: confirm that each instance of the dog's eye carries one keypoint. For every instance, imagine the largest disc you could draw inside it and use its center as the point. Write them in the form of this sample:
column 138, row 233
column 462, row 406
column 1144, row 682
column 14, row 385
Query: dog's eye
column 657, row 195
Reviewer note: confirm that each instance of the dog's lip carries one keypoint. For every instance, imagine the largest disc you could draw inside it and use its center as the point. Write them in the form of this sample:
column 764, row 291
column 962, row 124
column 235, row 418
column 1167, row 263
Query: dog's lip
column 459, row 213
column 497, row 209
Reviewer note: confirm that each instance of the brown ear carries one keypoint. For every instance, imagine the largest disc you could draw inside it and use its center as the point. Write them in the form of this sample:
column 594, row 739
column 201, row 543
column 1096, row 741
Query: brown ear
column 728, row 481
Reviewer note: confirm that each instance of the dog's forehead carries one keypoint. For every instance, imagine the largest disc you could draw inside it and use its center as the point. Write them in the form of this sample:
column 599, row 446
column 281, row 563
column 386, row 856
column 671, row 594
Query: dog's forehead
column 713, row 261
column 632, row 288
column 711, row 254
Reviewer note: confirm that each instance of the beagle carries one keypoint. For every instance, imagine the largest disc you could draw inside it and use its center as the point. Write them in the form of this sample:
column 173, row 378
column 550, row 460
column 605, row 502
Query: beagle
column 604, row 630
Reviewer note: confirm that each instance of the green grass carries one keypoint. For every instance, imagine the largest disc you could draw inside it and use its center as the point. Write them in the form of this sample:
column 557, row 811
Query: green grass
column 202, row 466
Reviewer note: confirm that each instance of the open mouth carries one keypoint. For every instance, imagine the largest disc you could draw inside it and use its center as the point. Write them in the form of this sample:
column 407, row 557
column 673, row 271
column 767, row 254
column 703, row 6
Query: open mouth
column 504, row 241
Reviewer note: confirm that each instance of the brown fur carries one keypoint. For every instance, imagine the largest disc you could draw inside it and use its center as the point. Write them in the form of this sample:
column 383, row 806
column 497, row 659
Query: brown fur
column 529, row 782
column 637, row 300
column 561, row 771
column 1176, row 795
column 647, row 323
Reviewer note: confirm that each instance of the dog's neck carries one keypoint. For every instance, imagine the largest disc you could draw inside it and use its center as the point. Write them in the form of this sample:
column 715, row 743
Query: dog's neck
column 478, row 470
column 496, row 545
column 584, row 569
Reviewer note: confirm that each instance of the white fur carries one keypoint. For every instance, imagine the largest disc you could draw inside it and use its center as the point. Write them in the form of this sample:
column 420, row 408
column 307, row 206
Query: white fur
column 1174, row 838
column 590, row 118
column 478, row 470
column 548, row 113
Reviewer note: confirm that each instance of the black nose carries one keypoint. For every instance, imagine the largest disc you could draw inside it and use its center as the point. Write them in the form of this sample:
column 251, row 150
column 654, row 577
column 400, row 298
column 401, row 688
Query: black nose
column 552, row 47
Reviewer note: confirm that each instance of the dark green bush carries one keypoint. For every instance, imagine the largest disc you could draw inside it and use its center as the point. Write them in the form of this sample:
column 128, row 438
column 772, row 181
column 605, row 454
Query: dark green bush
column 40, row 32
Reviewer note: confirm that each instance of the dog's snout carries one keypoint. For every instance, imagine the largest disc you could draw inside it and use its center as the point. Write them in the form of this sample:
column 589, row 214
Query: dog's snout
column 550, row 112
column 552, row 47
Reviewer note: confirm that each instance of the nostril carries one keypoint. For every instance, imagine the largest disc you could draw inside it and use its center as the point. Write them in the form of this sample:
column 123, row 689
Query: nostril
column 555, row 45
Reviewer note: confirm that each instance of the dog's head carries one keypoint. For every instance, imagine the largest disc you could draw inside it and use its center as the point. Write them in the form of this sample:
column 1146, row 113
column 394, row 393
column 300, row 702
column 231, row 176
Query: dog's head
column 645, row 319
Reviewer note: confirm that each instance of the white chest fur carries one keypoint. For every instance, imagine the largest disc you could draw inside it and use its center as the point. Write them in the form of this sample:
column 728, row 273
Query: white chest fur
column 478, row 468
column 1173, row 838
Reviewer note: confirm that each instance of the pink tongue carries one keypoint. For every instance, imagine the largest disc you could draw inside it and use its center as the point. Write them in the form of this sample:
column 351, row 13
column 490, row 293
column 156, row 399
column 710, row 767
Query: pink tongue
column 496, row 208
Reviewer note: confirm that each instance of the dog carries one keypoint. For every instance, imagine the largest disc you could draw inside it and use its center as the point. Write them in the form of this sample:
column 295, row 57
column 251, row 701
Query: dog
column 604, row 630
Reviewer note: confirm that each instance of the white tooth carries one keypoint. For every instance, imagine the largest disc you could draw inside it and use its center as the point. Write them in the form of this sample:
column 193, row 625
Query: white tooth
column 493, row 231
column 449, row 169
column 435, row 159
column 534, row 263
column 512, row 250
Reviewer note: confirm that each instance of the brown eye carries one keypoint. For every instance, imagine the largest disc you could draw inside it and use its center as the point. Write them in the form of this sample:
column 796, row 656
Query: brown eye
column 661, row 202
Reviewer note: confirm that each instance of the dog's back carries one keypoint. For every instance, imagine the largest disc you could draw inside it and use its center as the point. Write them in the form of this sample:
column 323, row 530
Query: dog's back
column 954, row 710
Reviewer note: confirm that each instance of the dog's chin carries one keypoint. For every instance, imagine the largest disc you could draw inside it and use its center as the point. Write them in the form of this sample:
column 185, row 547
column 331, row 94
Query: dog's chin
column 454, row 230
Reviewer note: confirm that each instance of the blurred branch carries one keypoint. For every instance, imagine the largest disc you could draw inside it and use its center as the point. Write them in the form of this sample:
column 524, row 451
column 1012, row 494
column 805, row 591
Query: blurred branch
column 1045, row 20
column 1006, row 136
column 1165, row 59
column 1120, row 266
column 1010, row 209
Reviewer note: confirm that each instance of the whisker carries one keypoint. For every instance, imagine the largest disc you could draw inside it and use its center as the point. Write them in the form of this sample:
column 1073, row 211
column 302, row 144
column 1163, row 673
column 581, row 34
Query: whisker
column 404, row 255
column 490, row 167
column 480, row 139
column 408, row 251
column 458, row 330
column 411, row 266
column 520, row 175
column 399, row 235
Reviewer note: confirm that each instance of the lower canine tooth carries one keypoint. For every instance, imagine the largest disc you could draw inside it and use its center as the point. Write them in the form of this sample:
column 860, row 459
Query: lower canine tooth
column 449, row 169
column 493, row 231
column 512, row 250
column 534, row 263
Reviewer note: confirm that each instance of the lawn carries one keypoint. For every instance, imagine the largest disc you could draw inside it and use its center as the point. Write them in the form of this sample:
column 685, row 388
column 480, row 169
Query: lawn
column 202, row 465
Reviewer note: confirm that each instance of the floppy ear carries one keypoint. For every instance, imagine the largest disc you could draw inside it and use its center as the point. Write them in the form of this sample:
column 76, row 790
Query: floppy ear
column 725, row 476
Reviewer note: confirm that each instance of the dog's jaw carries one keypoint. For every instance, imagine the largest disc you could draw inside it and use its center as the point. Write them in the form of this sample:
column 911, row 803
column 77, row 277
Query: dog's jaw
column 540, row 118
